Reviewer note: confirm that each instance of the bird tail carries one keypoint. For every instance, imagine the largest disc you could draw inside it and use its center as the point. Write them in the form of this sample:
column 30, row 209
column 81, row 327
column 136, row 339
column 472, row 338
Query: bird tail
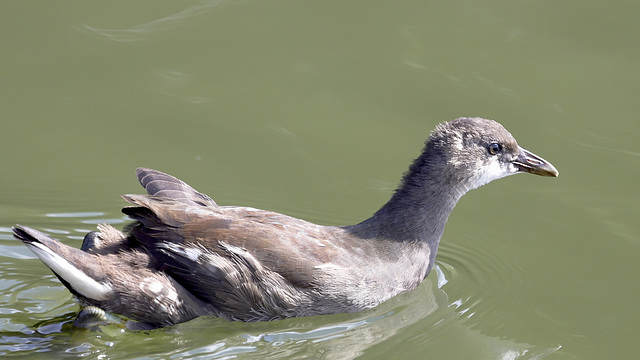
column 79, row 271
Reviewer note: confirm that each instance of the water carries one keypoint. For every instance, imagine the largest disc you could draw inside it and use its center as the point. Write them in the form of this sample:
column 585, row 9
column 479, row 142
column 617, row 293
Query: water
column 315, row 109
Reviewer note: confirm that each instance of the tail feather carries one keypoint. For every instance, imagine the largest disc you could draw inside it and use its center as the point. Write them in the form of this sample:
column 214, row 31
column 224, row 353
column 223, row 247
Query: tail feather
column 75, row 268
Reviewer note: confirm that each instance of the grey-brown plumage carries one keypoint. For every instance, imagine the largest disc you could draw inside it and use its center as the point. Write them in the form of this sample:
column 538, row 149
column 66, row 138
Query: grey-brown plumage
column 185, row 256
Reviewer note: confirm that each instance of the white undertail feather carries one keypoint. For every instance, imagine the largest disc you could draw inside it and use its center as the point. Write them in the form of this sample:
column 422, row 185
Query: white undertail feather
column 78, row 280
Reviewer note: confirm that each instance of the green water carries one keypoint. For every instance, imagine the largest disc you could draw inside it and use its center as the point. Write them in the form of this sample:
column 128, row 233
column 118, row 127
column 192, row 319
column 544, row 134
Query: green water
column 315, row 109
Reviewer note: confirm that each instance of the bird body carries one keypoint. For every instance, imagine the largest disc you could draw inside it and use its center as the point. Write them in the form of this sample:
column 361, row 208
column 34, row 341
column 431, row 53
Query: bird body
column 185, row 256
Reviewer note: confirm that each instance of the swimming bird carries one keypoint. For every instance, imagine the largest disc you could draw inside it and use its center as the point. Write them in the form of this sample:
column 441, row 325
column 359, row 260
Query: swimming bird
column 185, row 256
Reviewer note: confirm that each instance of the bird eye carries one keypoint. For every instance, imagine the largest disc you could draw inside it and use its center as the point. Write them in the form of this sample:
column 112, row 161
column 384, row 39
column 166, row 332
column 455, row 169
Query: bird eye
column 494, row 148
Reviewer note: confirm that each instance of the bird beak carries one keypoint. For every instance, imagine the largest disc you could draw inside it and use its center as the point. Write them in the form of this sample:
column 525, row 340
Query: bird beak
column 534, row 164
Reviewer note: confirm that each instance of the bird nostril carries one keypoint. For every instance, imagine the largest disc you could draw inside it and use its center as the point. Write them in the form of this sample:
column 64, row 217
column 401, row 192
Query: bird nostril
column 532, row 160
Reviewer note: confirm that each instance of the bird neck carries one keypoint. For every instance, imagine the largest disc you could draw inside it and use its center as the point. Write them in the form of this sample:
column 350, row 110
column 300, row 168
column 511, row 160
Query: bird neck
column 418, row 210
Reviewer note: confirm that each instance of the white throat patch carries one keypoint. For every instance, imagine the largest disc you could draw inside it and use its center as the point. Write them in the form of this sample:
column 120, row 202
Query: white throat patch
column 493, row 170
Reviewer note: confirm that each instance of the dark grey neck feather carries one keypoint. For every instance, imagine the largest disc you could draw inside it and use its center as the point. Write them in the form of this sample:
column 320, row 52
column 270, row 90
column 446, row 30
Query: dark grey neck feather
column 418, row 210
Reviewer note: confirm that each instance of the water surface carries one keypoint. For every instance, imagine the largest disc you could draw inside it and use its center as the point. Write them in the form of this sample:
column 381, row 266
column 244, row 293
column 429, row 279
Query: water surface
column 315, row 109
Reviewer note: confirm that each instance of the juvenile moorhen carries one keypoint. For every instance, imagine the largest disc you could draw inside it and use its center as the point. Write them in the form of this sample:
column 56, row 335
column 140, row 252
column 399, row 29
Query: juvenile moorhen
column 186, row 256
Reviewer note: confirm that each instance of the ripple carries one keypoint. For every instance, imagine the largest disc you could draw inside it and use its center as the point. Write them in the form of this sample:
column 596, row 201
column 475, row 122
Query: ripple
column 15, row 251
column 477, row 276
column 143, row 31
column 85, row 214
column 103, row 221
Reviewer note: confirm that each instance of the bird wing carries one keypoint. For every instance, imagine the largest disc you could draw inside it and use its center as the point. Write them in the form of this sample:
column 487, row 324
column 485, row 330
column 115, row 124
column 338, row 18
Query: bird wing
column 280, row 243
column 158, row 183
